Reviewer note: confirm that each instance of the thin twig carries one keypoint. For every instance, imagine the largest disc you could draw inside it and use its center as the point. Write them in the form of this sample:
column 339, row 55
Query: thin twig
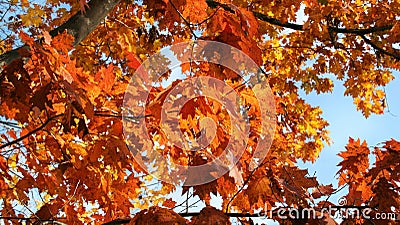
column 379, row 49
column 242, row 187
column 184, row 20
column 31, row 132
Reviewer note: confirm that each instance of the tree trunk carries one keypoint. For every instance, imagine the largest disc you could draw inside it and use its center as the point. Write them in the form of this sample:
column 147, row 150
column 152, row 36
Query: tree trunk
column 79, row 26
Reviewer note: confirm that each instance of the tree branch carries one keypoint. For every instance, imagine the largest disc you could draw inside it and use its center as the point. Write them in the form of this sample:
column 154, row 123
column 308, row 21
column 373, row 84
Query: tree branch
column 100, row 114
column 189, row 25
column 79, row 26
column 10, row 124
column 361, row 31
column 118, row 221
column 31, row 132
column 379, row 49
column 242, row 187
column 274, row 21
column 300, row 27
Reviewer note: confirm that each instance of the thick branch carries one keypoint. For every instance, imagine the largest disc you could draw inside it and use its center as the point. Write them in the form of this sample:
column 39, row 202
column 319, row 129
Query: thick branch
column 300, row 27
column 79, row 26
column 260, row 16
column 274, row 21
column 294, row 26
column 361, row 31
column 118, row 221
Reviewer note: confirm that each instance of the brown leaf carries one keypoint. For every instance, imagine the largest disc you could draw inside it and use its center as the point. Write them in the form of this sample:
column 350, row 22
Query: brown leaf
column 156, row 215
column 322, row 190
column 211, row 215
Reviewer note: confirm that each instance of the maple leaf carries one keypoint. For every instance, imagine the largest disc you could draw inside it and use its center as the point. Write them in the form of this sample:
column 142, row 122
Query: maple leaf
column 33, row 17
column 355, row 160
column 133, row 61
column 322, row 191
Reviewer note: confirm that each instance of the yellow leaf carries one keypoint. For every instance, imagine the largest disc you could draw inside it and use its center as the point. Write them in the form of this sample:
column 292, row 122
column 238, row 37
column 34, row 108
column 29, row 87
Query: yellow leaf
column 33, row 17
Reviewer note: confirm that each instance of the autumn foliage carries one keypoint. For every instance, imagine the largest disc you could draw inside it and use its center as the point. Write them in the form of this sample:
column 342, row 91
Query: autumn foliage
column 66, row 66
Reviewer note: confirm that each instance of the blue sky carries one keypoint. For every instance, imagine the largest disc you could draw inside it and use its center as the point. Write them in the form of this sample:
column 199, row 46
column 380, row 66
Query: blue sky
column 345, row 121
